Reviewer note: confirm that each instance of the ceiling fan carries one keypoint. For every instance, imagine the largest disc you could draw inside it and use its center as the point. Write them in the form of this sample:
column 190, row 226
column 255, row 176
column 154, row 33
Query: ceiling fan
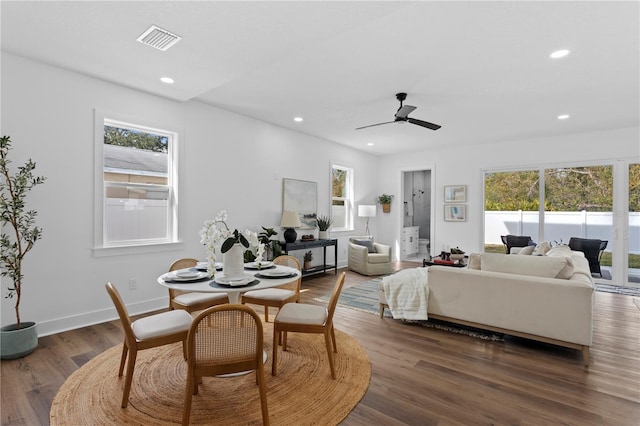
column 401, row 116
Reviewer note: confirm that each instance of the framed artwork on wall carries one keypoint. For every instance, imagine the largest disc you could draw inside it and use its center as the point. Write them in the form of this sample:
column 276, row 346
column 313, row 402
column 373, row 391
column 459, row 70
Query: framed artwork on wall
column 455, row 194
column 301, row 196
column 455, row 212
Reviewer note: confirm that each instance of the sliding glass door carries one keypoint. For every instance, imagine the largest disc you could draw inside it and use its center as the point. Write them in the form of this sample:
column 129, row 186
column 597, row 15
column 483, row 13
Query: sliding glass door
column 578, row 202
column 633, row 219
column 557, row 203
column 511, row 201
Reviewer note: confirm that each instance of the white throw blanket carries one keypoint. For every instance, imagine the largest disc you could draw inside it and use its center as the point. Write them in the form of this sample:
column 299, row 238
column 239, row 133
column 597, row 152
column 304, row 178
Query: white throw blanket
column 407, row 293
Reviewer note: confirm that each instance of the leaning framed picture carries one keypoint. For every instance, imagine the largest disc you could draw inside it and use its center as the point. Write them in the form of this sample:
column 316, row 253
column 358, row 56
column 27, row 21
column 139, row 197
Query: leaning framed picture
column 455, row 194
column 301, row 196
column 455, row 212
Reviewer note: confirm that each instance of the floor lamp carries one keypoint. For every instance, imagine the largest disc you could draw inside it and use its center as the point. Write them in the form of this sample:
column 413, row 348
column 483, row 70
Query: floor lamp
column 366, row 211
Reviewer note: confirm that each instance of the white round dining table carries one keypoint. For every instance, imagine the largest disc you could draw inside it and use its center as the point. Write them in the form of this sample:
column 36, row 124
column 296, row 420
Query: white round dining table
column 211, row 286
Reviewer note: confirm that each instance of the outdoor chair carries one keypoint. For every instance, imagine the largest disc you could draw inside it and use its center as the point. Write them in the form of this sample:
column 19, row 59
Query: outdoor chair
column 592, row 249
column 511, row 241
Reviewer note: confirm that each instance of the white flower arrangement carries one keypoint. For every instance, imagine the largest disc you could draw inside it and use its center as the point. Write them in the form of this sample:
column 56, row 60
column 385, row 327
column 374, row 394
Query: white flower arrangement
column 211, row 235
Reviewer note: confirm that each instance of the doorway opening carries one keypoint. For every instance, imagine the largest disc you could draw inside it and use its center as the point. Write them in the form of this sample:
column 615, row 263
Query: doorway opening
column 417, row 211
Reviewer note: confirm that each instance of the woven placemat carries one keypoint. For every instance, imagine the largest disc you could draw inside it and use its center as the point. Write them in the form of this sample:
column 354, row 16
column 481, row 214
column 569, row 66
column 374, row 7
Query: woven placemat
column 302, row 393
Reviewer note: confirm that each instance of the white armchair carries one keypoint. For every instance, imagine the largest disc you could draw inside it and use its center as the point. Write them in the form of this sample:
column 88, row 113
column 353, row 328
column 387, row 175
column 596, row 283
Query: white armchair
column 369, row 258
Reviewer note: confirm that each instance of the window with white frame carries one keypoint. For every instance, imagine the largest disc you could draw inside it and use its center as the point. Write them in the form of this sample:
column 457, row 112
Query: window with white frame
column 138, row 185
column 341, row 197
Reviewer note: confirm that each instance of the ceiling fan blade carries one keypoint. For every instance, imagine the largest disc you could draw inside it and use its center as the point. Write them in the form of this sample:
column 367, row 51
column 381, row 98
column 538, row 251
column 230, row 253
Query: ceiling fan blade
column 424, row 123
column 373, row 125
column 404, row 110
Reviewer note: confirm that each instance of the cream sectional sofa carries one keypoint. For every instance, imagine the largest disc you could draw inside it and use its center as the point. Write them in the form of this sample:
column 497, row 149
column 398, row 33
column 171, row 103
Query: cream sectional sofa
column 546, row 298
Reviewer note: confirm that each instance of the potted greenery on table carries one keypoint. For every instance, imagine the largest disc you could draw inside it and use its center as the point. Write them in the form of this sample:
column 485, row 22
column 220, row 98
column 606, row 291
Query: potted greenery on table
column 21, row 338
column 323, row 223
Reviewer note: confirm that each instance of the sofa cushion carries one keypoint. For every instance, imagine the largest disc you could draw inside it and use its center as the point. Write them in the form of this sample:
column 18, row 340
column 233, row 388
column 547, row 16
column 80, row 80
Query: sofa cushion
column 378, row 258
column 559, row 251
column 474, row 260
column 564, row 252
column 541, row 248
column 536, row 266
column 527, row 250
column 365, row 243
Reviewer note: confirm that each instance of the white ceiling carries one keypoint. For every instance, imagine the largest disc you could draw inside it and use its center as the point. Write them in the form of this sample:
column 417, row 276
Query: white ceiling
column 480, row 69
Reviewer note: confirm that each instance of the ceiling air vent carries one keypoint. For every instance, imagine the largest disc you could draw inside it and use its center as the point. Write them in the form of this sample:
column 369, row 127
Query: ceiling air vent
column 158, row 38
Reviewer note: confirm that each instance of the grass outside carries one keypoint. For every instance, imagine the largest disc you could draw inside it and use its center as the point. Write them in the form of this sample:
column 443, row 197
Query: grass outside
column 634, row 259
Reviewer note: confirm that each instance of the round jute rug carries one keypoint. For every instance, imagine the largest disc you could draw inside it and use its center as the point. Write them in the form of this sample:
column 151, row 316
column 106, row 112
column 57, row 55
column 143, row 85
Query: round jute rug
column 302, row 393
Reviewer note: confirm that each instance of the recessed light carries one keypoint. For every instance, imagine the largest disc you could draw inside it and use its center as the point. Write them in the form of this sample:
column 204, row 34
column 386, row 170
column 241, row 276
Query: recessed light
column 563, row 116
column 559, row 54
column 167, row 80
column 370, row 144
column 298, row 119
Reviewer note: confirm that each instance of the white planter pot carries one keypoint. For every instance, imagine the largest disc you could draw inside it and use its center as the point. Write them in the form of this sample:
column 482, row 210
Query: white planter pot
column 323, row 235
column 233, row 261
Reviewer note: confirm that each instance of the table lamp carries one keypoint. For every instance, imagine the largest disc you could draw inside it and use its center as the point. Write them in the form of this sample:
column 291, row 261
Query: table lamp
column 290, row 220
column 366, row 211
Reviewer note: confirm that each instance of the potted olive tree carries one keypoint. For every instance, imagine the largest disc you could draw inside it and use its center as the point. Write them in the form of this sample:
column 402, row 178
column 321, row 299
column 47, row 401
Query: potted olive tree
column 21, row 338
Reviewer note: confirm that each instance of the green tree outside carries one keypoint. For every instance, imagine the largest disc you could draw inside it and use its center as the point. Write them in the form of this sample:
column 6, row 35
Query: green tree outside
column 135, row 139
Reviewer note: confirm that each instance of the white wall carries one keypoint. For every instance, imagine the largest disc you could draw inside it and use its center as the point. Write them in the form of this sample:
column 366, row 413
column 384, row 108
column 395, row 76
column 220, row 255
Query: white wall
column 465, row 165
column 230, row 162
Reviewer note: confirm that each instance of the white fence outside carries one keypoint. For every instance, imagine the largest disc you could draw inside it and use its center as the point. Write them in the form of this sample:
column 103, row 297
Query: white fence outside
column 559, row 226
column 132, row 219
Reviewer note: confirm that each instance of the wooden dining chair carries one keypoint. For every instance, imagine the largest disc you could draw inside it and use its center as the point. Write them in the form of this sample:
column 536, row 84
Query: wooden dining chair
column 145, row 333
column 192, row 301
column 307, row 318
column 225, row 339
column 279, row 296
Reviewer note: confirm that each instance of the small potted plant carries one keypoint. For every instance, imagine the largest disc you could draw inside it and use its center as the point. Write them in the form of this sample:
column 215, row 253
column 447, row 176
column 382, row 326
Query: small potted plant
column 270, row 246
column 385, row 201
column 456, row 254
column 308, row 257
column 21, row 338
column 323, row 223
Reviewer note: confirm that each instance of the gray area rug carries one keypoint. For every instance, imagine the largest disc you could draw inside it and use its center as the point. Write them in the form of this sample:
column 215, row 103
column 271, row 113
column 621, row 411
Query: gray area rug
column 627, row 291
column 364, row 297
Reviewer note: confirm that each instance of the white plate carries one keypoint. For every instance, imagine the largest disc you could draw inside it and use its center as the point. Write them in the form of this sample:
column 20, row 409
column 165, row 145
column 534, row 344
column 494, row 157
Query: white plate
column 275, row 273
column 235, row 281
column 187, row 274
column 254, row 265
column 173, row 276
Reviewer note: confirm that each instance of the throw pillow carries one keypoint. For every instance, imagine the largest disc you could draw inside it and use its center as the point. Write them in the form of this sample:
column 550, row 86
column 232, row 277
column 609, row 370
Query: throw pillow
column 559, row 251
column 527, row 250
column 542, row 248
column 474, row 260
column 565, row 252
column 366, row 243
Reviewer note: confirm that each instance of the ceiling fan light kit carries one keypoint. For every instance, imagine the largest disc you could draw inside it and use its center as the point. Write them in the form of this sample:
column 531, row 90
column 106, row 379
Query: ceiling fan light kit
column 402, row 116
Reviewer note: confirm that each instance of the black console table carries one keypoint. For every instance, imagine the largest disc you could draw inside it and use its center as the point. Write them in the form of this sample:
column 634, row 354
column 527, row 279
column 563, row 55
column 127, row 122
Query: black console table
column 305, row 245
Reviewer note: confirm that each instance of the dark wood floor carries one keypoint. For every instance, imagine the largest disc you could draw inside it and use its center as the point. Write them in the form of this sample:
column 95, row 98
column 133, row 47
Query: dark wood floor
column 420, row 376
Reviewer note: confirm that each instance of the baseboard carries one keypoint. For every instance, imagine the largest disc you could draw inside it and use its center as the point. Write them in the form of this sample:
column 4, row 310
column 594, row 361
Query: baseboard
column 59, row 325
